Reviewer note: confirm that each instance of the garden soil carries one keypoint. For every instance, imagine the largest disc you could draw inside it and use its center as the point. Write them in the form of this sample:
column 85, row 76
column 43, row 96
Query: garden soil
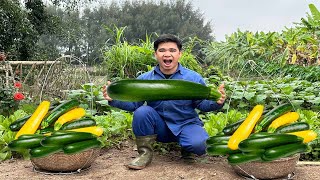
column 111, row 165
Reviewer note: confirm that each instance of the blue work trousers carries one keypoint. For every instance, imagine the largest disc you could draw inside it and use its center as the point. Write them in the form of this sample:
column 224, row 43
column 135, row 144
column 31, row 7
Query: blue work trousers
column 146, row 121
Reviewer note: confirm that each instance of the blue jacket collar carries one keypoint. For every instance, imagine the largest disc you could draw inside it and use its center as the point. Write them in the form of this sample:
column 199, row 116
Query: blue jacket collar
column 179, row 69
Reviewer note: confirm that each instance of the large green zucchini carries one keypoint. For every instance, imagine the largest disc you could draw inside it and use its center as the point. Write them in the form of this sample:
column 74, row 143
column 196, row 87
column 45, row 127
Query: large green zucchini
column 43, row 151
column 268, row 141
column 81, row 146
column 152, row 90
column 80, row 123
column 26, row 143
column 293, row 127
column 67, row 138
column 239, row 158
column 217, row 139
column 283, row 151
column 220, row 149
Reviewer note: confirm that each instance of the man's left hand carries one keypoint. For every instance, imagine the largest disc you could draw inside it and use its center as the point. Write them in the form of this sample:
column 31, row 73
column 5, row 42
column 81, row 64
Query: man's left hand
column 223, row 94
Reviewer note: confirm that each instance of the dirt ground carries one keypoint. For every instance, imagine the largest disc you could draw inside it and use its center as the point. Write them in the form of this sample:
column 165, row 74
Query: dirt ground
column 111, row 165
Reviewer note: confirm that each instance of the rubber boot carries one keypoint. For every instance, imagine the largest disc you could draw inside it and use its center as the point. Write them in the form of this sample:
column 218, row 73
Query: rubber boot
column 145, row 150
column 187, row 157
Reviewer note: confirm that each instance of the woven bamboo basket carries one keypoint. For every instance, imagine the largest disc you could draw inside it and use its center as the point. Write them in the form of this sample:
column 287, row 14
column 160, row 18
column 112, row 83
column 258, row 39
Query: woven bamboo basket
column 60, row 162
column 280, row 168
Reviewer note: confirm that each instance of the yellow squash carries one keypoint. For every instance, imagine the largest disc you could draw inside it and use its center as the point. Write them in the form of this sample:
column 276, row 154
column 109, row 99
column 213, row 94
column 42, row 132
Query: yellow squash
column 96, row 130
column 73, row 114
column 283, row 120
column 33, row 123
column 246, row 127
column 307, row 135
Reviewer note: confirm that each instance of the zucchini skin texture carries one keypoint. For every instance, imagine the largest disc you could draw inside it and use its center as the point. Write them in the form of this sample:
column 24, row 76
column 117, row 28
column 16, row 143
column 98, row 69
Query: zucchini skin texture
column 135, row 90
column 220, row 149
column 260, row 134
column 217, row 139
column 43, row 151
column 81, row 146
column 239, row 158
column 83, row 122
column 272, row 115
column 283, row 151
column 67, row 138
column 293, row 127
column 25, row 143
column 27, row 136
column 265, row 142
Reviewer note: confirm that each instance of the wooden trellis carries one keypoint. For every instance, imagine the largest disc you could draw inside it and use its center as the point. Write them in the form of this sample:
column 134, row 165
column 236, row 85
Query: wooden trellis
column 48, row 79
column 6, row 67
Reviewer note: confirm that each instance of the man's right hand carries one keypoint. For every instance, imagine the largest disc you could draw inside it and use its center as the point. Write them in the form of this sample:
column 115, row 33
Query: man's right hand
column 105, row 93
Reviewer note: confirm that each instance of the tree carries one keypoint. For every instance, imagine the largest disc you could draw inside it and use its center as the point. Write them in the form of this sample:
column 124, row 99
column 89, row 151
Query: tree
column 176, row 17
column 21, row 28
column 15, row 28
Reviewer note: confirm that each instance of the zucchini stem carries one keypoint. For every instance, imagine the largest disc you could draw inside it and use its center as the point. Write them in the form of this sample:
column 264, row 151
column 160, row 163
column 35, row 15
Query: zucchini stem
column 214, row 94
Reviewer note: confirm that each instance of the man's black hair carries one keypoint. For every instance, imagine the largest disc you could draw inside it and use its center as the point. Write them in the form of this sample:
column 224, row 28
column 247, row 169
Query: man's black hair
column 167, row 38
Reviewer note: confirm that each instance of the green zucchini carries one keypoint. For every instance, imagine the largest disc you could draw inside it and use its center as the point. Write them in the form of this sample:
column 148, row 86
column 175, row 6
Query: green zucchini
column 220, row 149
column 260, row 134
column 25, row 143
column 283, row 151
column 27, row 136
column 151, row 90
column 239, row 158
column 264, row 142
column 67, row 138
column 293, row 127
column 59, row 132
column 46, row 130
column 43, row 151
column 272, row 115
column 217, row 139
column 17, row 124
column 80, row 123
column 81, row 146
column 230, row 129
column 58, row 111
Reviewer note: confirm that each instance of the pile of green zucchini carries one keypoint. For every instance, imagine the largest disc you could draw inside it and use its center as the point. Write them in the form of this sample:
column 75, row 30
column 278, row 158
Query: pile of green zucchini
column 277, row 134
column 69, row 142
column 64, row 128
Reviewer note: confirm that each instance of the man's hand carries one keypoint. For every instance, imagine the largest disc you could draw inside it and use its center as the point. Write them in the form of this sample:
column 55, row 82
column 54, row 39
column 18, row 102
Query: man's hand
column 223, row 94
column 104, row 91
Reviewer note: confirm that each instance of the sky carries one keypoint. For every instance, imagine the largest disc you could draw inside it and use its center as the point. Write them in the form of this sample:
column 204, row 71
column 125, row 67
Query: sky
column 226, row 16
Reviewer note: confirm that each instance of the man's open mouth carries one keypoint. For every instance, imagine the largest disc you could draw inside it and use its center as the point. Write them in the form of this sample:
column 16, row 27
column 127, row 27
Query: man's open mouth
column 167, row 62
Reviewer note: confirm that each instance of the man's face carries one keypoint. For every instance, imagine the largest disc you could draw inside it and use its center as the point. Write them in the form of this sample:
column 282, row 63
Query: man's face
column 168, row 56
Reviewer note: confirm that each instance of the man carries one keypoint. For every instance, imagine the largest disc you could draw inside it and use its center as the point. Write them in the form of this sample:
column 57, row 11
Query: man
column 171, row 120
